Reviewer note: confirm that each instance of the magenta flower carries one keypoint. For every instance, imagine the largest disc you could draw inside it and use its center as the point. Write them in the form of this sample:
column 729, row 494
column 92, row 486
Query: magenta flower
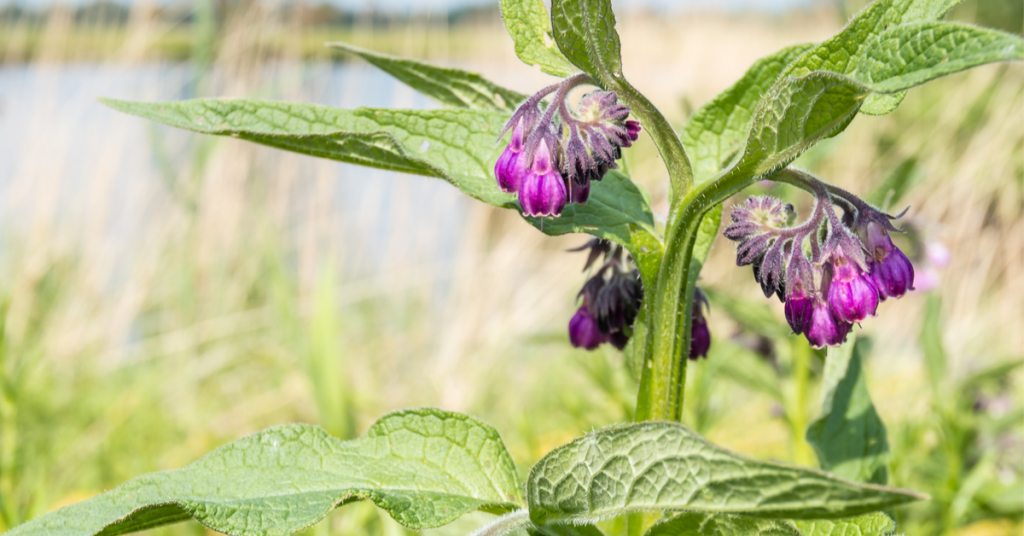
column 583, row 330
column 511, row 168
column 852, row 295
column 825, row 328
column 543, row 192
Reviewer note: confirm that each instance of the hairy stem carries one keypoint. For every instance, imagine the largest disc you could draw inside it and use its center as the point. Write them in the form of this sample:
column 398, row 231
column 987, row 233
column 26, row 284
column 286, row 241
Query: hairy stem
column 505, row 524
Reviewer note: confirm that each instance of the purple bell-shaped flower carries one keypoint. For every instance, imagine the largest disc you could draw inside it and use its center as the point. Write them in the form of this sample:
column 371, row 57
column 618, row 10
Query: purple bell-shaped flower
column 852, row 295
column 825, row 328
column 890, row 270
column 511, row 168
column 700, row 335
column 543, row 191
column 583, row 330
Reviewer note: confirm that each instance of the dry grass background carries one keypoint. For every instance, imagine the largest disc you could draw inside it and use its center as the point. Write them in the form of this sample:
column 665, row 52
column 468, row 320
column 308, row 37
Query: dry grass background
column 245, row 295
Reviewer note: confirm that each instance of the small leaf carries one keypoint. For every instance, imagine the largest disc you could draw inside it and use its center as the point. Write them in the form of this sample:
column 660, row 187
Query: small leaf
column 876, row 524
column 658, row 466
column 849, row 437
column 426, row 467
column 585, row 33
column 913, row 54
column 717, row 129
column 697, row 524
column 448, row 86
column 529, row 25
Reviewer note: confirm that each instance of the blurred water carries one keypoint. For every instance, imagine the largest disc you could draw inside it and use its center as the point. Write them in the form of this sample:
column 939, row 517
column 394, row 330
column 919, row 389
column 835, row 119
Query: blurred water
column 64, row 157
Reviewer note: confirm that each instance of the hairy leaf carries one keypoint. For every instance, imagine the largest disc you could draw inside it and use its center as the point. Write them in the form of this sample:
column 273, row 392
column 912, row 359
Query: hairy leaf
column 912, row 54
column 448, row 86
column 717, row 129
column 849, row 437
column 876, row 524
column 426, row 467
column 456, row 145
column 585, row 33
column 841, row 53
column 698, row 524
column 529, row 25
column 657, row 466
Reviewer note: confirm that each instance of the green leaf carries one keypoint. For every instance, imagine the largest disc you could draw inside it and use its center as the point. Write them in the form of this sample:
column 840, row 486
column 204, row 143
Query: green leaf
column 529, row 26
column 876, row 524
column 841, row 53
column 697, row 524
column 426, row 467
column 448, row 86
column 564, row 530
column 849, row 437
column 913, row 54
column 456, row 145
column 585, row 33
column 718, row 129
column 658, row 466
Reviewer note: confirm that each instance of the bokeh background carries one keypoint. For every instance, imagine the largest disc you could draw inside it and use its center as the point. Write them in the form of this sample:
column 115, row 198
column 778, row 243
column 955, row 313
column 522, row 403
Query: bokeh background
column 163, row 293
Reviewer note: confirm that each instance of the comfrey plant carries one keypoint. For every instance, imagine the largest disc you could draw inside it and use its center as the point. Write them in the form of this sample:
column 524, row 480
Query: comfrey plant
column 557, row 165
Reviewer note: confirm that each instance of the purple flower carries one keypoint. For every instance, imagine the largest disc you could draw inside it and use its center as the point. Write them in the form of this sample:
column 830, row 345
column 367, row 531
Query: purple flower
column 700, row 335
column 583, row 330
column 512, row 167
column 798, row 310
column 579, row 194
column 700, row 338
column 542, row 192
column 852, row 296
column 825, row 328
column 633, row 130
column 890, row 270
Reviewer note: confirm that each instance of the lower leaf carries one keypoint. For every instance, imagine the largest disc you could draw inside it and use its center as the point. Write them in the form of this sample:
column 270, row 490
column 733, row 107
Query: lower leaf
column 425, row 467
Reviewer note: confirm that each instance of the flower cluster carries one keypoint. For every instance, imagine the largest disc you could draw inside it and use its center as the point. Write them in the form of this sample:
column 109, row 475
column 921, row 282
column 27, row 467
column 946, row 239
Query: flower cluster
column 612, row 297
column 554, row 153
column 831, row 272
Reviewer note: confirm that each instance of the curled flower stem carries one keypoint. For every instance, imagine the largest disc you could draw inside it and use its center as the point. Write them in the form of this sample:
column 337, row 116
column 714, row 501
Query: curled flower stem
column 558, row 101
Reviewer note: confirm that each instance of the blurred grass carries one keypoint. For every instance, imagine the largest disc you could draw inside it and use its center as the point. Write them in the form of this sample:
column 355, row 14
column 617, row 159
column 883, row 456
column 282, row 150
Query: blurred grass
column 250, row 301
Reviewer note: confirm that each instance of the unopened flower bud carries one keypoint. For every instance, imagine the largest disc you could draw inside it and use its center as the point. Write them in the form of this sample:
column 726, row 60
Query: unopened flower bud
column 511, row 168
column 798, row 309
column 891, row 271
column 700, row 335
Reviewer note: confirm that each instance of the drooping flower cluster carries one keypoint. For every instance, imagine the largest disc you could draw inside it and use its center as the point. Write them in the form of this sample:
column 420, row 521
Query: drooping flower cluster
column 831, row 272
column 611, row 300
column 555, row 153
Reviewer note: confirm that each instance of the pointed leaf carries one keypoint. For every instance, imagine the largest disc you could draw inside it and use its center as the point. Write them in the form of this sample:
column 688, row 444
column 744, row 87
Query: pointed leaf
column 447, row 85
column 456, row 145
column 849, row 437
column 913, row 54
column 876, row 524
column 585, row 33
column 658, row 466
column 426, row 467
column 529, row 26
column 718, row 129
column 698, row 524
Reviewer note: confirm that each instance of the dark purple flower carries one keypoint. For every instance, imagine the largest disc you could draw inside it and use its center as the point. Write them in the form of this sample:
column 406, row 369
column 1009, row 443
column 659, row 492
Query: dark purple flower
column 700, row 338
column 618, row 301
column 583, row 331
column 700, row 335
column 825, row 328
column 511, row 168
column 579, row 194
column 543, row 192
column 633, row 129
column 798, row 310
column 890, row 270
column 852, row 295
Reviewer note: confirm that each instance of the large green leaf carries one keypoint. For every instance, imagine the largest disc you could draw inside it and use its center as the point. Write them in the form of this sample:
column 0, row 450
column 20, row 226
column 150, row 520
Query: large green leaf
column 719, row 127
column 529, row 26
column 849, row 437
column 658, row 466
column 426, row 467
column 841, row 53
column 448, row 86
column 913, row 54
column 457, row 145
column 585, row 33
column 698, row 524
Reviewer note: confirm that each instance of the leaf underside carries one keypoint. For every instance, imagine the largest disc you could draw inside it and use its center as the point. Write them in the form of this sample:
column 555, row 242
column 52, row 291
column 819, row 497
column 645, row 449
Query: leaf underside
column 425, row 467
column 659, row 466
column 529, row 26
